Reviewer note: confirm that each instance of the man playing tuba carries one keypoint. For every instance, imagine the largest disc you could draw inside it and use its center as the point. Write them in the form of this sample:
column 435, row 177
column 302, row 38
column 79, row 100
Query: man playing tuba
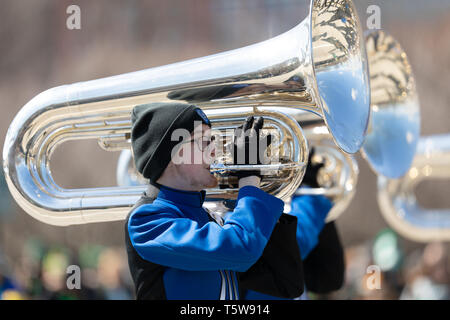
column 177, row 249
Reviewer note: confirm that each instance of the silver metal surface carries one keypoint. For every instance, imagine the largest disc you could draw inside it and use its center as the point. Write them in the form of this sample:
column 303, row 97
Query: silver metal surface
column 339, row 176
column 288, row 154
column 319, row 65
column 397, row 199
column 394, row 128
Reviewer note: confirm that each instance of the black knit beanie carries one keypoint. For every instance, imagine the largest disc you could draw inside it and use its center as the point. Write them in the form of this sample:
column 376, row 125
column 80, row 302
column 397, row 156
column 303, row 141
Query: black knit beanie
column 151, row 132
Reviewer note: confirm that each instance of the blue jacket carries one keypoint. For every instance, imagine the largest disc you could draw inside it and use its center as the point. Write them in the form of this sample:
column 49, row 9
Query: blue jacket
column 200, row 258
column 311, row 212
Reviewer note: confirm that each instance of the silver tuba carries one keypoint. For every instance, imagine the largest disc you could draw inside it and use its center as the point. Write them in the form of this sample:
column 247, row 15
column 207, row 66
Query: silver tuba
column 394, row 127
column 397, row 200
column 319, row 66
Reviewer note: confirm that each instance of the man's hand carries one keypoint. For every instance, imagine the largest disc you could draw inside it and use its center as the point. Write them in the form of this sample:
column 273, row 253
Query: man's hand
column 247, row 146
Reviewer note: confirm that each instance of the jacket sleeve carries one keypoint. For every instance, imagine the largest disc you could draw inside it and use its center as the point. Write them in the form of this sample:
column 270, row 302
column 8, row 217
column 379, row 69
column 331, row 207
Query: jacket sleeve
column 279, row 271
column 325, row 265
column 311, row 212
column 161, row 236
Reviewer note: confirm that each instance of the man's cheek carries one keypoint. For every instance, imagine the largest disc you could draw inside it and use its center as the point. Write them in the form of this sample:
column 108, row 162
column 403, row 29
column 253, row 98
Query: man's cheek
column 214, row 182
column 195, row 170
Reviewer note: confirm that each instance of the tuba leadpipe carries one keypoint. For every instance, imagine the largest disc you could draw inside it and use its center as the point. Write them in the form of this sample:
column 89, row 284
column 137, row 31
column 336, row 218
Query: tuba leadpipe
column 319, row 65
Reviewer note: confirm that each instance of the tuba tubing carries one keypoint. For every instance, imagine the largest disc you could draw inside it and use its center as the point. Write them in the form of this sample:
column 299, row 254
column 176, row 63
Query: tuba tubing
column 319, row 65
column 398, row 203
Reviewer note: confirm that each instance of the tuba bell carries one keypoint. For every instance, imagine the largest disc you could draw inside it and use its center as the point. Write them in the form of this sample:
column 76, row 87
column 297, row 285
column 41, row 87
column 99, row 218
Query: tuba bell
column 319, row 66
column 394, row 127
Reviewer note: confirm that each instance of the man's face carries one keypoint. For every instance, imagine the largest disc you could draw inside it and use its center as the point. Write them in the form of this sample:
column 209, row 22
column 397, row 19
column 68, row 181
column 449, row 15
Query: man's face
column 196, row 156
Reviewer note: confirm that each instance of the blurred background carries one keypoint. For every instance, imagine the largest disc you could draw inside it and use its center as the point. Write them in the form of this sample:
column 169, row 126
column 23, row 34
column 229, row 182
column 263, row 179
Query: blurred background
column 38, row 52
